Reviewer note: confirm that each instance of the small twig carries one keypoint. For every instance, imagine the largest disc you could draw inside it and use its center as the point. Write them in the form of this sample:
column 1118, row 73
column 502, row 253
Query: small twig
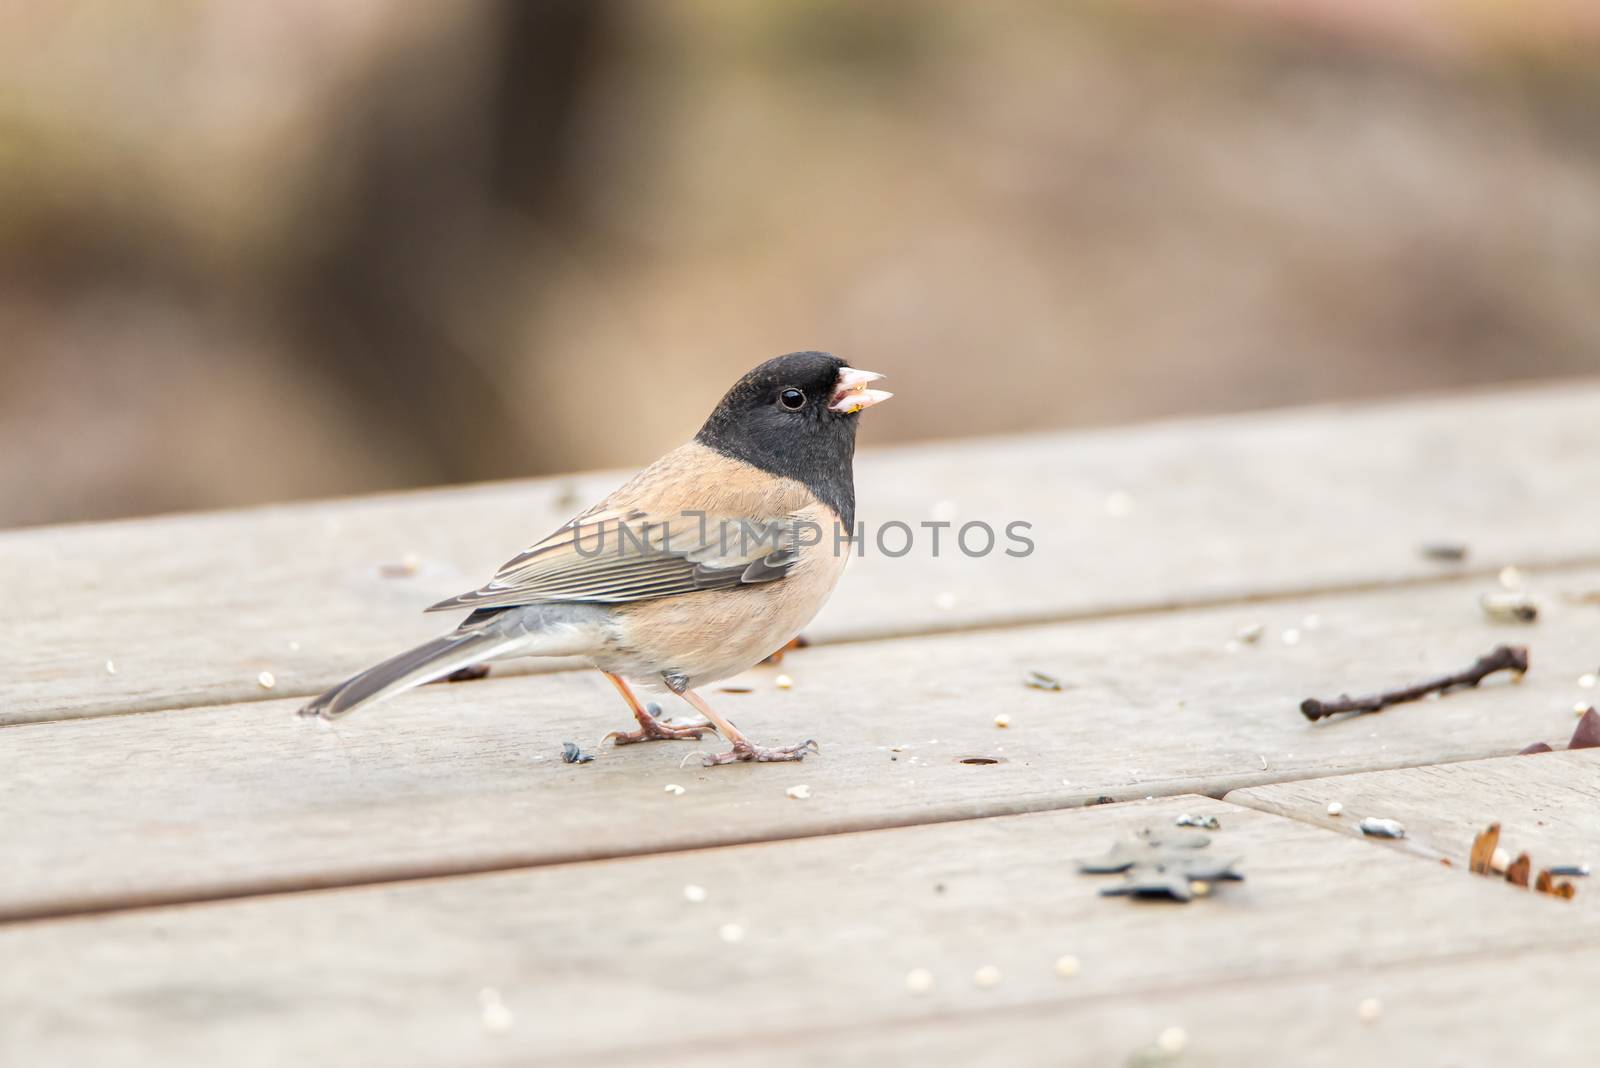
column 1503, row 658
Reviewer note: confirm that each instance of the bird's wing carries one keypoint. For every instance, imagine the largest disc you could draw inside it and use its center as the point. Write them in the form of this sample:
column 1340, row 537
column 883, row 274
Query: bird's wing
column 606, row 556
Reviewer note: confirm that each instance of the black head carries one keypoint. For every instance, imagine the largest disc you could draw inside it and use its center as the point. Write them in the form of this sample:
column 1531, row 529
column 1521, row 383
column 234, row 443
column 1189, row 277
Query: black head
column 796, row 416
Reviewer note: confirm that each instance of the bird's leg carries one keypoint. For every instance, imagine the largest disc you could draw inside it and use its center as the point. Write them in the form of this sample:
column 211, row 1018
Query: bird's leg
column 743, row 748
column 650, row 728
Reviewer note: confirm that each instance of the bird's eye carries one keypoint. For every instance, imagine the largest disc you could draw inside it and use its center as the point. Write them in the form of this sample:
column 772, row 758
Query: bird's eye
column 792, row 399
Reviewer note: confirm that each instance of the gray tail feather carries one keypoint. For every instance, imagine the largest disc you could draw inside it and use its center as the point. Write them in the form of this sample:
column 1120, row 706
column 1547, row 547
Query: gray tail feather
column 428, row 661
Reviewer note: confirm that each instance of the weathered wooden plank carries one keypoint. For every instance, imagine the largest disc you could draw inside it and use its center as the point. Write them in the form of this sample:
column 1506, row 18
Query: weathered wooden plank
column 598, row 960
column 1527, row 1007
column 190, row 610
column 241, row 799
column 1547, row 805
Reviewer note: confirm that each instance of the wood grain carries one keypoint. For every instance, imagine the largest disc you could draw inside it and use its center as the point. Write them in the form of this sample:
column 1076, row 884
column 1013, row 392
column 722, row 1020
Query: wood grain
column 1547, row 805
column 599, row 961
column 189, row 610
column 247, row 798
column 1470, row 1009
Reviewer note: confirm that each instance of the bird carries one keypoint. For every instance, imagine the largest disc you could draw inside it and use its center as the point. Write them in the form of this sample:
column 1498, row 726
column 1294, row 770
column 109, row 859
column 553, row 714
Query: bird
column 697, row 568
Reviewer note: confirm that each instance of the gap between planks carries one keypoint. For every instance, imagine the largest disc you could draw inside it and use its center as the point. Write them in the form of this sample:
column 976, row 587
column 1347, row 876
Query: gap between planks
column 1162, row 790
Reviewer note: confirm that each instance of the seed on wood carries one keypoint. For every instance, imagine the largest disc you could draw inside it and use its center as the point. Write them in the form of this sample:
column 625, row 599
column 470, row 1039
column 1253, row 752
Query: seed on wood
column 1369, row 1010
column 1536, row 747
column 919, row 980
column 734, row 689
column 694, row 894
column 1335, row 808
column 1250, row 633
column 1381, row 828
column 496, row 1016
column 571, row 754
column 783, row 682
column 1067, row 966
column 1499, row 860
column 1209, row 823
column 1587, row 681
column 1511, row 577
column 981, row 760
column 674, row 789
column 986, row 977
column 1291, row 637
column 1587, row 733
column 1515, row 607
column 408, row 566
column 266, row 681
column 730, row 933
column 1172, row 1041
column 1038, row 680
column 1519, row 870
column 1444, row 550
column 1581, row 707
column 799, row 793
column 1002, row 721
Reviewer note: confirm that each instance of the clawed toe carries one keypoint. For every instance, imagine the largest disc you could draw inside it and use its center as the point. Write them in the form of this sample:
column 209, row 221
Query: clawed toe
column 744, row 751
column 652, row 729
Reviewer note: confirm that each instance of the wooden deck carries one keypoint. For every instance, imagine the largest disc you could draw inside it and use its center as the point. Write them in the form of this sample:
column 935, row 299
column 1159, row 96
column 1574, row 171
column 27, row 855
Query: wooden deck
column 194, row 876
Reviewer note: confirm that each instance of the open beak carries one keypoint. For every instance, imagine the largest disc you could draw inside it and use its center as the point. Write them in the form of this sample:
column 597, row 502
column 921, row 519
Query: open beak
column 850, row 392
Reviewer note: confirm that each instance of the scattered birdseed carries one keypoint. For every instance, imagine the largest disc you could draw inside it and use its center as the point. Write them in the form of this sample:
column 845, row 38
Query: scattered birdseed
column 1250, row 633
column 1067, row 966
column 1335, row 808
column 1118, row 504
column 1369, row 1010
column 1588, row 681
column 1311, row 621
column 1500, row 860
column 1291, row 636
column 1002, row 721
column 1231, row 646
column 1511, row 578
column 409, row 565
column 1172, row 1041
column 1038, row 680
column 266, row 680
column 986, row 977
column 674, row 789
column 1374, row 827
column 919, row 980
column 1197, row 888
column 1444, row 550
column 496, row 1016
column 730, row 933
column 294, row 647
column 945, row 601
column 1209, row 823
column 1581, row 708
column 783, row 682
column 799, row 793
column 111, row 667
column 1514, row 607
column 571, row 754
column 694, row 894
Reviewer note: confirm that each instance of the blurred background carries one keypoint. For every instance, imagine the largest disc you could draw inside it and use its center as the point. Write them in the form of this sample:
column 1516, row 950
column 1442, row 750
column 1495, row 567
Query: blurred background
column 257, row 251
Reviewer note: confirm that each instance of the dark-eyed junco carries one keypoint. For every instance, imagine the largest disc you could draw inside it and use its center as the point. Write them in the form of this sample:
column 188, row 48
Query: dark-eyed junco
column 705, row 562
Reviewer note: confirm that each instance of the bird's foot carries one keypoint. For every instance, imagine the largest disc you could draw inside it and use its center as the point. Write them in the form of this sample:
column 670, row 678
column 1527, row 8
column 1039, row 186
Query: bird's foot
column 652, row 729
column 744, row 751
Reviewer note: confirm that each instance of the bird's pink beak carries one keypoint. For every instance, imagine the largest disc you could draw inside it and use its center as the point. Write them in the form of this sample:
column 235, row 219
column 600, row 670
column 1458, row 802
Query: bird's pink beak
column 850, row 392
